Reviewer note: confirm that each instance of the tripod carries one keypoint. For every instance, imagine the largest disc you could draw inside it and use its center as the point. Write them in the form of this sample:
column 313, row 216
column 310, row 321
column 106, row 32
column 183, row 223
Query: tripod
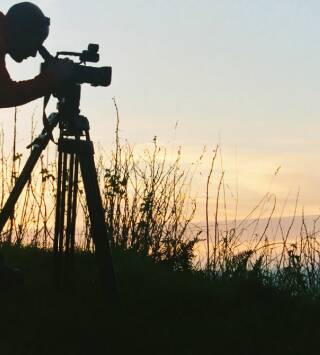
column 75, row 149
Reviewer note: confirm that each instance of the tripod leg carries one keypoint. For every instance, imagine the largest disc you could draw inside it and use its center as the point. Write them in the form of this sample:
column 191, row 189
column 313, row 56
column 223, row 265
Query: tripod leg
column 63, row 200
column 58, row 207
column 69, row 205
column 98, row 226
column 59, row 232
column 74, row 204
column 57, row 266
column 69, row 237
column 22, row 180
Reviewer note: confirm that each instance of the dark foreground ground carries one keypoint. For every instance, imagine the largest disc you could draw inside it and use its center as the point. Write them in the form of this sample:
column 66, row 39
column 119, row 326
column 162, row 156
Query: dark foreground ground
column 161, row 313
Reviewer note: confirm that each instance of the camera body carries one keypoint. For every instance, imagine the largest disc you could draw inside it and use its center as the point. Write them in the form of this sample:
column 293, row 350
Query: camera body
column 96, row 76
column 71, row 122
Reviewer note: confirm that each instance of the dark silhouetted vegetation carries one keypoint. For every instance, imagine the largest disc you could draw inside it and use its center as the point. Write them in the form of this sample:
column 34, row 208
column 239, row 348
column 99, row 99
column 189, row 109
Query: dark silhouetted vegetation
column 250, row 290
column 162, row 312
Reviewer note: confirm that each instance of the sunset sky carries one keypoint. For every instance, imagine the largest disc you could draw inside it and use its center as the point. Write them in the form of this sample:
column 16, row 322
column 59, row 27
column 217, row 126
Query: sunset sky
column 243, row 73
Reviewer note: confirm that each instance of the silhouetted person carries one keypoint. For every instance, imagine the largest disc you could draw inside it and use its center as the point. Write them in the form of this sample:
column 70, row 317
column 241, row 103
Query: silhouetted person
column 22, row 31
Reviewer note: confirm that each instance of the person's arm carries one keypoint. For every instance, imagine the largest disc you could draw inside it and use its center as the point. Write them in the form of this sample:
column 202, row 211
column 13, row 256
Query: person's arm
column 16, row 93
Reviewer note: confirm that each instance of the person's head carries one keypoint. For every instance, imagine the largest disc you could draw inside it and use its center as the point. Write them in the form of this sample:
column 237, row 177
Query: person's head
column 27, row 28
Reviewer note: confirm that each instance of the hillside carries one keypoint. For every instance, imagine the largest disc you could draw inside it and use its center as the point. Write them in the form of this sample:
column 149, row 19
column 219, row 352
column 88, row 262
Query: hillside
column 161, row 312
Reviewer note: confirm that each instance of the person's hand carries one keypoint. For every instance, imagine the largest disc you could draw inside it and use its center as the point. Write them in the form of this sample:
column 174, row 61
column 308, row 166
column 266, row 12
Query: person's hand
column 61, row 69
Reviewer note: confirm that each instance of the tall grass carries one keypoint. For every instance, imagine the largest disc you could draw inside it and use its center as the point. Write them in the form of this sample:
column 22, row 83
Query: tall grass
column 149, row 208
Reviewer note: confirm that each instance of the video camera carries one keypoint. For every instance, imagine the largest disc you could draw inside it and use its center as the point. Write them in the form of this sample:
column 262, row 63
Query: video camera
column 96, row 76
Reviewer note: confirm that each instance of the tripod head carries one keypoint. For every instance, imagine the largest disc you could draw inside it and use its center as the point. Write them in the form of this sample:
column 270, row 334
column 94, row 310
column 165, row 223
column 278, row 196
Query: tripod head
column 71, row 123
